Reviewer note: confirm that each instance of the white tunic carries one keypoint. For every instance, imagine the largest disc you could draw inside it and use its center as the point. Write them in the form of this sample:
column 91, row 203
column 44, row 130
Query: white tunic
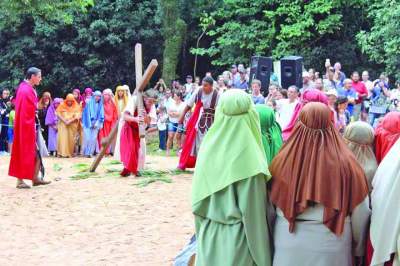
column 312, row 243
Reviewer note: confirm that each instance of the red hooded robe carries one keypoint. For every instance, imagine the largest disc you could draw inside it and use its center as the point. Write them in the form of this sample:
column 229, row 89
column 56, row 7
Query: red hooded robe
column 23, row 155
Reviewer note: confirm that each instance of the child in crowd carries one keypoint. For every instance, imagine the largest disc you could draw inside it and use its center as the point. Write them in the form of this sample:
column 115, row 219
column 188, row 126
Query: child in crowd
column 10, row 132
column 343, row 115
column 162, row 118
column 272, row 103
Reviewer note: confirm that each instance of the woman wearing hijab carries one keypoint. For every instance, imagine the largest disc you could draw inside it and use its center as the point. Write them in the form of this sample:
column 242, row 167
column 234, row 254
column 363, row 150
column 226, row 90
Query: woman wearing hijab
column 386, row 134
column 271, row 132
column 311, row 95
column 69, row 114
column 359, row 137
column 78, row 96
column 43, row 106
column 87, row 96
column 51, row 122
column 321, row 195
column 385, row 218
column 92, row 121
column 110, row 116
column 229, row 198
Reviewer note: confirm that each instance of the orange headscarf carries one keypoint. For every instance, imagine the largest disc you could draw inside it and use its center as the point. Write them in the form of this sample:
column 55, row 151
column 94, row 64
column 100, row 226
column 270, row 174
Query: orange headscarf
column 41, row 103
column 75, row 108
column 316, row 167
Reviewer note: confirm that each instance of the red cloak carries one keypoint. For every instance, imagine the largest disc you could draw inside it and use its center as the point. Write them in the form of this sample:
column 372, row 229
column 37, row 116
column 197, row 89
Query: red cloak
column 110, row 118
column 23, row 155
column 130, row 145
column 187, row 160
column 386, row 134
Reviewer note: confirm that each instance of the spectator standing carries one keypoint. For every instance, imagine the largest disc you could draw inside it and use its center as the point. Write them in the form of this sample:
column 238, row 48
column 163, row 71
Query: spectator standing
column 351, row 95
column 286, row 106
column 339, row 75
column 329, row 81
column 242, row 83
column 368, row 84
column 222, row 84
column 4, row 115
column 319, row 85
column 162, row 118
column 380, row 101
column 362, row 94
column 174, row 128
column 343, row 115
column 189, row 84
column 234, row 74
column 308, row 84
column 256, row 92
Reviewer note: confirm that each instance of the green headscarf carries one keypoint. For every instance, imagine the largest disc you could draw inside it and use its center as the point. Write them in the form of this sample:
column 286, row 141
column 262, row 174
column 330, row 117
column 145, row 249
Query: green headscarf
column 271, row 132
column 232, row 148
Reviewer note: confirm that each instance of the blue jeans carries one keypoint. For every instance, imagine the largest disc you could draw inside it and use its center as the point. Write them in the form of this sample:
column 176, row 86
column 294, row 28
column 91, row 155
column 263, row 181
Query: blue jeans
column 162, row 136
column 373, row 119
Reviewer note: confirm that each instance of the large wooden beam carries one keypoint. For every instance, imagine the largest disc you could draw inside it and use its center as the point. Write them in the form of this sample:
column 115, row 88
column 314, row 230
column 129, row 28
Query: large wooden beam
column 139, row 89
column 138, row 62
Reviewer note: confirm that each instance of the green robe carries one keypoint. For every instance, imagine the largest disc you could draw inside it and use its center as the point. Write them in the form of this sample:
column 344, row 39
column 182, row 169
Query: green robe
column 231, row 226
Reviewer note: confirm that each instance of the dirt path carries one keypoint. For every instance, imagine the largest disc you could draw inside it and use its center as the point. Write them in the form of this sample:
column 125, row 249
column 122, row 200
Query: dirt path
column 95, row 221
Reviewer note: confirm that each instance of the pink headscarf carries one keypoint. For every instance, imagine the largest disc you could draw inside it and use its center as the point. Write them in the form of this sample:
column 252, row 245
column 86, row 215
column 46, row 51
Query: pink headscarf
column 88, row 93
column 312, row 95
column 80, row 98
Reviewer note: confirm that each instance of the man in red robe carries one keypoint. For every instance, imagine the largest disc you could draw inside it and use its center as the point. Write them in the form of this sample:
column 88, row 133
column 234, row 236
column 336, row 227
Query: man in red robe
column 110, row 116
column 132, row 147
column 205, row 100
column 25, row 160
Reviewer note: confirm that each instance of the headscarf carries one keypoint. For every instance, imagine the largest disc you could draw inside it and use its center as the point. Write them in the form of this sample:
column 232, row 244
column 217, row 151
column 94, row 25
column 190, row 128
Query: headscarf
column 315, row 166
column 51, row 117
column 41, row 103
column 232, row 150
column 80, row 97
column 359, row 137
column 386, row 134
column 74, row 108
column 271, row 132
column 108, row 92
column 86, row 96
column 125, row 98
column 385, row 218
column 312, row 95
column 90, row 113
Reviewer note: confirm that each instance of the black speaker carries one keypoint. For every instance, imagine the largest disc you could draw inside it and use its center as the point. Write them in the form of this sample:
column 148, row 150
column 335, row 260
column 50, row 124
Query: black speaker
column 291, row 71
column 261, row 68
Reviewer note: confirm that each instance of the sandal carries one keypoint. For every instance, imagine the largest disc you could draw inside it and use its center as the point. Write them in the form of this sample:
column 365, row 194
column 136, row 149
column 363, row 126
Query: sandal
column 41, row 183
column 23, row 186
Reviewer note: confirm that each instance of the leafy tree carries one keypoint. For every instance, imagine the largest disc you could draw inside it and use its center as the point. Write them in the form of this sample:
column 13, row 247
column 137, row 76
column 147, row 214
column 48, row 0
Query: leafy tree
column 382, row 42
column 174, row 30
column 97, row 50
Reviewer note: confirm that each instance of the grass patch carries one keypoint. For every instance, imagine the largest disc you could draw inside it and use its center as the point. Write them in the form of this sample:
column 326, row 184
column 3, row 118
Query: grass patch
column 84, row 175
column 81, row 167
column 152, row 142
column 57, row 167
column 143, row 182
column 113, row 162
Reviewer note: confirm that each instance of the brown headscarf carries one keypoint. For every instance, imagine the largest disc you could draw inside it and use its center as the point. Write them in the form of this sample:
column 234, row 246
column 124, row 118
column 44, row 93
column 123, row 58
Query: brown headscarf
column 316, row 167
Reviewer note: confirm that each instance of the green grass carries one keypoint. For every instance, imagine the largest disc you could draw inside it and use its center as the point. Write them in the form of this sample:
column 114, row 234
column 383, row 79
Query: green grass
column 57, row 167
column 152, row 146
column 143, row 182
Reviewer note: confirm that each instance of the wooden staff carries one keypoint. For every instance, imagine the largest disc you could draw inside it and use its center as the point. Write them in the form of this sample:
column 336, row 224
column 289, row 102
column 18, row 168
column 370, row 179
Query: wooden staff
column 139, row 89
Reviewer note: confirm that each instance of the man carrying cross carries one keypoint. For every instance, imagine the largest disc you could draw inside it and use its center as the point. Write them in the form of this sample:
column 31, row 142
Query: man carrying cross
column 132, row 146
column 205, row 101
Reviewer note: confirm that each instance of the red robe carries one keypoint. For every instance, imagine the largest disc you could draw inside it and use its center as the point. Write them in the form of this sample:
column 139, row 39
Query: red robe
column 187, row 160
column 110, row 118
column 23, row 155
column 130, row 145
column 386, row 134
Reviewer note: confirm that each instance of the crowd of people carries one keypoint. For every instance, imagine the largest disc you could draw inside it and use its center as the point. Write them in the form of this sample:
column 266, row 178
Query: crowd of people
column 295, row 177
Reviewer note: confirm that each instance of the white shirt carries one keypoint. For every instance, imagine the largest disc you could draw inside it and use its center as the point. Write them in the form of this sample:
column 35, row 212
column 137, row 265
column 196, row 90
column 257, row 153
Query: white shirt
column 175, row 107
column 285, row 110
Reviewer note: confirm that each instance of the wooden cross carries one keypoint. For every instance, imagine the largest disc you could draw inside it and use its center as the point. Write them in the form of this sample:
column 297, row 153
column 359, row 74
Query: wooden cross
column 141, row 82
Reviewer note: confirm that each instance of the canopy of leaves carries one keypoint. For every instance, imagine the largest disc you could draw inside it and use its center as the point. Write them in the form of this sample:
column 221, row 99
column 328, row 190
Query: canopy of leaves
column 96, row 50
column 382, row 41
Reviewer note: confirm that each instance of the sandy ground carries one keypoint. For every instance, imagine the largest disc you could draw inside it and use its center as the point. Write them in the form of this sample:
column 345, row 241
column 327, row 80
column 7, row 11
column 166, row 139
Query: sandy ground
column 95, row 221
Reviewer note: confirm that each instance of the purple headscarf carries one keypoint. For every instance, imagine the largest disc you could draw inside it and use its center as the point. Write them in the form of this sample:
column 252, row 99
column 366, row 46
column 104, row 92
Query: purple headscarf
column 51, row 117
column 86, row 96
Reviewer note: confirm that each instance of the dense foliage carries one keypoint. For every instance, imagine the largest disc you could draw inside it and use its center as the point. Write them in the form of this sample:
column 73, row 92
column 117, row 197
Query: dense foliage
column 91, row 43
